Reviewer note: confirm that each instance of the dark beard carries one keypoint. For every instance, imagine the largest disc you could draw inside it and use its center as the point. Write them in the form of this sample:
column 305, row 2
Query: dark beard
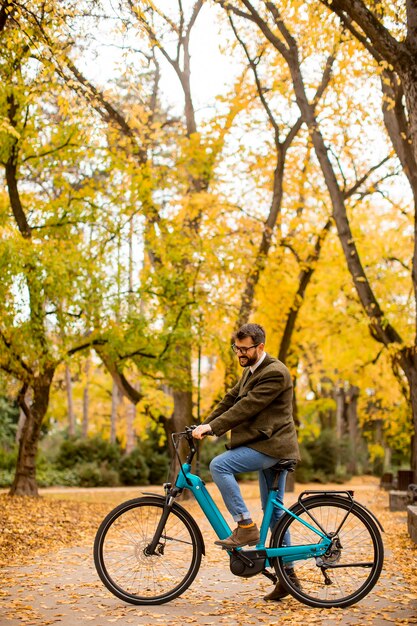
column 248, row 361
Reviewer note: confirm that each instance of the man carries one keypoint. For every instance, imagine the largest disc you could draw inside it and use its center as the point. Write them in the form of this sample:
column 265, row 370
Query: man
column 258, row 412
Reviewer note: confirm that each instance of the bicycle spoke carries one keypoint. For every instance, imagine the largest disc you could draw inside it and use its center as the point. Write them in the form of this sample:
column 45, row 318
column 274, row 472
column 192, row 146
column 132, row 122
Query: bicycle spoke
column 352, row 564
column 123, row 561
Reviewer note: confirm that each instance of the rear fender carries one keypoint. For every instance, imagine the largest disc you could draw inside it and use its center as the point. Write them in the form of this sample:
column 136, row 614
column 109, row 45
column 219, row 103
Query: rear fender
column 339, row 494
column 296, row 506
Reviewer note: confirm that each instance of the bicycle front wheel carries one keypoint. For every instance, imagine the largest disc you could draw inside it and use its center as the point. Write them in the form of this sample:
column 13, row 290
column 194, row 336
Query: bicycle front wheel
column 348, row 570
column 121, row 556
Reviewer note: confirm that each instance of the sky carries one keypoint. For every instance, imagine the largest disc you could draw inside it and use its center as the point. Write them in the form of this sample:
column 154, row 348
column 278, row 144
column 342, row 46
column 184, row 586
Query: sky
column 211, row 70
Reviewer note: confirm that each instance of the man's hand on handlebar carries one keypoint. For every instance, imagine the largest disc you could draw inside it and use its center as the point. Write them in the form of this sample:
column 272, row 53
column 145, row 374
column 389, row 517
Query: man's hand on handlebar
column 202, row 431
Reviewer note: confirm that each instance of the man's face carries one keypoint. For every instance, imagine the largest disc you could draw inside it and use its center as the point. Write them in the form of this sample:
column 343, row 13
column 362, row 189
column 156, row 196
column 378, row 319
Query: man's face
column 253, row 352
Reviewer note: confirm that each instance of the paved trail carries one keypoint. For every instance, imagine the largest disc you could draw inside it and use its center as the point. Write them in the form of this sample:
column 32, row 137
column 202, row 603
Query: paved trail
column 63, row 588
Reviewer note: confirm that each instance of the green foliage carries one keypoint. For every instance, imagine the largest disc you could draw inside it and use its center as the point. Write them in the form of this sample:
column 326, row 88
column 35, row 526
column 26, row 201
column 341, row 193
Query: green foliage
column 158, row 468
column 94, row 462
column 324, row 452
column 209, row 448
column 315, row 415
column 97, row 475
column 6, row 477
column 9, row 414
column 155, row 455
column 49, row 476
column 96, row 450
column 325, row 458
column 134, row 469
column 8, row 458
column 85, row 189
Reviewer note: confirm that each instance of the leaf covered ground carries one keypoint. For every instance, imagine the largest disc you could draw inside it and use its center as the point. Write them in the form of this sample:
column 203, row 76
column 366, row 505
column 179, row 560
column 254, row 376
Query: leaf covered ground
column 49, row 577
column 35, row 526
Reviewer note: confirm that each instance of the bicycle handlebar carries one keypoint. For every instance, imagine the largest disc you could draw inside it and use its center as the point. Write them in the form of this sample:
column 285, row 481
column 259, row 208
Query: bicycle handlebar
column 185, row 434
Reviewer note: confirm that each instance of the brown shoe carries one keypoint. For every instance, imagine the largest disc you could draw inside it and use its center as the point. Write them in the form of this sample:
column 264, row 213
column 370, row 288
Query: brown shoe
column 279, row 592
column 240, row 537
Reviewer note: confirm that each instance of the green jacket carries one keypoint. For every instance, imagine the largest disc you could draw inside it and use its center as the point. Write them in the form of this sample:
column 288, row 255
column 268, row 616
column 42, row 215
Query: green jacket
column 258, row 411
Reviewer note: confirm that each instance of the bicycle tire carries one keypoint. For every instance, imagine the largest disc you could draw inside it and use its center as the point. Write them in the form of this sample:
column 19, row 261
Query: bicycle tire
column 357, row 561
column 121, row 560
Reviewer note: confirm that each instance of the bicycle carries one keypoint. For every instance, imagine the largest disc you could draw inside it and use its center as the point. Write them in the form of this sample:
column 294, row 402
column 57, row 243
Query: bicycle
column 148, row 550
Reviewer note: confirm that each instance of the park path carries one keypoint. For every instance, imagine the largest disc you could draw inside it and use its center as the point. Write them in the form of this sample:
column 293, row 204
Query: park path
column 62, row 587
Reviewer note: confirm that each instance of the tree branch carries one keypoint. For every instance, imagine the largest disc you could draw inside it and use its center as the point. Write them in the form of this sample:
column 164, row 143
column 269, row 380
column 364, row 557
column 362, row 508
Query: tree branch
column 397, row 125
column 379, row 326
column 304, row 279
column 11, row 175
column 411, row 39
column 5, row 12
column 106, row 110
column 66, row 144
column 87, row 344
column 381, row 39
column 15, row 356
column 119, row 378
column 349, row 192
column 261, row 91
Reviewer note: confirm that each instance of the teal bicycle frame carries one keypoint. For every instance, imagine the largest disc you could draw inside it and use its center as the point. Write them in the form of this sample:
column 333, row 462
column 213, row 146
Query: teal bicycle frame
column 187, row 480
column 148, row 550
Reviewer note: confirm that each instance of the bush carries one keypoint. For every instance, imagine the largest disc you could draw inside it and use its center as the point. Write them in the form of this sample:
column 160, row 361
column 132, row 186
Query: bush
column 83, row 462
column 93, row 475
column 8, row 458
column 304, row 469
column 9, row 416
column 6, row 477
column 158, row 468
column 325, row 453
column 88, row 450
column 303, row 474
column 92, row 462
column 341, row 474
column 209, row 448
column 49, row 477
column 324, row 459
column 134, row 469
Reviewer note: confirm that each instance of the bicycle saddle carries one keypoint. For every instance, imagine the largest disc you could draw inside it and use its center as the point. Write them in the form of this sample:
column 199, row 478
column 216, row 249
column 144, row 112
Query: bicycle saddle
column 285, row 464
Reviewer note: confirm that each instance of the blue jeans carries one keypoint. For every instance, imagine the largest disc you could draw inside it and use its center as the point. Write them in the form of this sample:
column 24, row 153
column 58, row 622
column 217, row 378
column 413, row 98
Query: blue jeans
column 243, row 459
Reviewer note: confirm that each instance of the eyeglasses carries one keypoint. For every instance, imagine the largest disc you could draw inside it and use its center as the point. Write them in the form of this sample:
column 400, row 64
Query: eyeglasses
column 243, row 350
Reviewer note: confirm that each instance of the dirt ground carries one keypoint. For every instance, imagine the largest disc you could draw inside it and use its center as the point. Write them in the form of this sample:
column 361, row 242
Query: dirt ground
column 62, row 587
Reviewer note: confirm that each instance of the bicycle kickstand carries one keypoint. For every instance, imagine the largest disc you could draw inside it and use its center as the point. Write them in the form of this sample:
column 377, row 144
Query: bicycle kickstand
column 270, row 575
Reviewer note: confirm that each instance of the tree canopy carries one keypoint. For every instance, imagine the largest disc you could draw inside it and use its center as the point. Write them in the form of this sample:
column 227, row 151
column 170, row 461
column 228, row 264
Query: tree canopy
column 142, row 222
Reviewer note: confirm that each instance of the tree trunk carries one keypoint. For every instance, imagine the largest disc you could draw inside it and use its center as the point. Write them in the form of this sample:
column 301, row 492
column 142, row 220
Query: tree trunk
column 407, row 360
column 351, row 398
column 70, row 402
column 24, row 483
column 113, row 415
column 130, row 427
column 86, row 397
column 181, row 417
column 400, row 57
column 340, row 412
column 304, row 279
column 409, row 81
column 25, row 399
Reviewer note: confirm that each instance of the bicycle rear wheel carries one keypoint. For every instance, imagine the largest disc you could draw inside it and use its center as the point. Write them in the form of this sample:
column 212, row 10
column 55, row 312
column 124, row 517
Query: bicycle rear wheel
column 122, row 561
column 348, row 570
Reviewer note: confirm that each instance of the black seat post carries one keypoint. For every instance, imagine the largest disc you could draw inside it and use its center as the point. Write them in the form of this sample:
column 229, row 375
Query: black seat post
column 284, row 465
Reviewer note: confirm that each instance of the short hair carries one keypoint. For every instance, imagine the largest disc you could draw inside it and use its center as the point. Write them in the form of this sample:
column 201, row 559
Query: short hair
column 254, row 331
